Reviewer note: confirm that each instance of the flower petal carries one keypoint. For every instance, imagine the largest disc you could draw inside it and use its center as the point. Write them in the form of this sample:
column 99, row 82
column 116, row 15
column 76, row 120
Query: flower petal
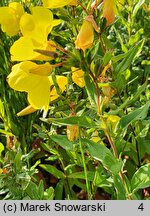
column 78, row 77
column 43, row 17
column 109, row 10
column 58, row 3
column 37, row 86
column 25, row 49
column 27, row 110
column 11, row 14
column 38, row 94
column 85, row 37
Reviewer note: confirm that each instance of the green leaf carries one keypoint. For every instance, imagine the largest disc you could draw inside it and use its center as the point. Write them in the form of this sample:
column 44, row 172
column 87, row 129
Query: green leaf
column 121, row 40
column 126, row 62
column 17, row 162
column 63, row 141
column 107, row 58
column 41, row 189
column 117, row 58
column 138, row 93
column 120, row 191
column 137, row 114
column 6, row 132
column 134, row 38
column 141, row 178
column 59, row 190
column 129, row 100
column 104, row 155
column 53, row 170
column 81, row 175
column 81, row 121
column 103, row 181
column 23, row 179
column 120, row 82
column 107, row 41
column 32, row 191
column 137, row 7
column 91, row 90
column 49, row 194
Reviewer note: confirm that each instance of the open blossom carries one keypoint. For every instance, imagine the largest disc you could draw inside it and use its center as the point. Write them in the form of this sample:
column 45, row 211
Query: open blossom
column 61, row 81
column 33, row 79
column 85, row 37
column 10, row 18
column 109, row 10
column 35, row 28
column 36, row 80
column 58, row 3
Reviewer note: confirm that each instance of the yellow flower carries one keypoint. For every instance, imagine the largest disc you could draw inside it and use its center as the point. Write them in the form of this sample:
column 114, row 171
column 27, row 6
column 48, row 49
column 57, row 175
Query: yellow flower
column 72, row 132
column 62, row 82
column 109, row 10
column 108, row 91
column 35, row 28
column 73, row 2
column 36, row 81
column 95, row 138
column 85, row 37
column 25, row 1
column 111, row 121
column 25, row 49
column 10, row 18
column 58, row 3
column 78, row 77
column 33, row 79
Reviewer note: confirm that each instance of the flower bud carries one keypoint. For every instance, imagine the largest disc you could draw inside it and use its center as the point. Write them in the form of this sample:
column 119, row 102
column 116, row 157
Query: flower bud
column 108, row 11
column 85, row 37
column 72, row 132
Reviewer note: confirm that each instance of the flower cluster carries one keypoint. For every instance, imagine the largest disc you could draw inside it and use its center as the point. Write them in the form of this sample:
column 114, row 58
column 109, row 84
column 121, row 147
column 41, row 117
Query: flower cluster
column 28, row 76
column 33, row 72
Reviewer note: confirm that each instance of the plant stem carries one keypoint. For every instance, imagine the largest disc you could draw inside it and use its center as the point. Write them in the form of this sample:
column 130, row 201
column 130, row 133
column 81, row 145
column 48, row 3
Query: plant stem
column 67, row 180
column 85, row 169
column 116, row 156
column 110, row 140
column 83, row 8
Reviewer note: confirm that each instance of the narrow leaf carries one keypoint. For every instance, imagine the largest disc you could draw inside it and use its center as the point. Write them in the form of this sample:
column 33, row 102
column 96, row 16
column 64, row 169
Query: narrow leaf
column 82, row 121
column 120, row 191
column 104, row 155
column 126, row 62
column 137, row 6
column 63, row 141
column 53, row 170
column 91, row 90
column 137, row 114
column 81, row 175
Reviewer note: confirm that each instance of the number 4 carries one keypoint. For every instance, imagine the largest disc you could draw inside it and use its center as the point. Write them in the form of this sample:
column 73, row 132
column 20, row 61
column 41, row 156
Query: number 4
column 141, row 207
